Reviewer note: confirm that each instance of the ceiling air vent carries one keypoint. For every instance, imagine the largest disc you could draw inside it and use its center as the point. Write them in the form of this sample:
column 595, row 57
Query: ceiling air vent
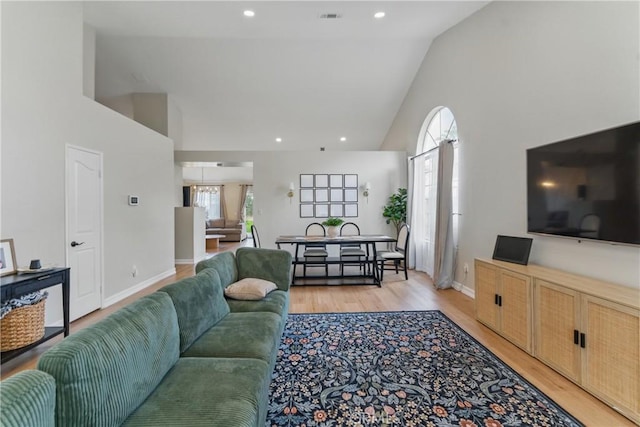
column 330, row 16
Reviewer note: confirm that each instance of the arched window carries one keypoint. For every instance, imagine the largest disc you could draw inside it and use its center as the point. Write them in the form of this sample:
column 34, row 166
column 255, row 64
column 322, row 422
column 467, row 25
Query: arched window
column 439, row 127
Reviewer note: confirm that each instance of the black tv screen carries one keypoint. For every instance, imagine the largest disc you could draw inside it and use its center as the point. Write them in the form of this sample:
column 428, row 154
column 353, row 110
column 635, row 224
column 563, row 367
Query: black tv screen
column 587, row 187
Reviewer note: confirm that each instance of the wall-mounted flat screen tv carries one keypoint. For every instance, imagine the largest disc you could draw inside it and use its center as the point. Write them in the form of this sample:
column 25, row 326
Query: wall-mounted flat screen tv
column 587, row 187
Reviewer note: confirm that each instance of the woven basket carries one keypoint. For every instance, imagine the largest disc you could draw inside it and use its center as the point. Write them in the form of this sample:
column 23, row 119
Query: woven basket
column 22, row 326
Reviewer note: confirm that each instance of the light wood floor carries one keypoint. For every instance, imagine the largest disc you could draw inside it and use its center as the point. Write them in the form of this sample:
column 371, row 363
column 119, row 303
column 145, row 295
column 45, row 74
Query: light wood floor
column 396, row 294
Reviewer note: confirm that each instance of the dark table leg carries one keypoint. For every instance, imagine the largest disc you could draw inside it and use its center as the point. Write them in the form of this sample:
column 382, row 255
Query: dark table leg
column 374, row 262
column 65, row 303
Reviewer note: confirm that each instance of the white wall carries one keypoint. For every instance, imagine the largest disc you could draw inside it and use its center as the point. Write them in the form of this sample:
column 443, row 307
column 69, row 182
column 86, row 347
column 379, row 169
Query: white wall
column 89, row 62
column 519, row 75
column 274, row 214
column 151, row 110
column 43, row 110
column 190, row 242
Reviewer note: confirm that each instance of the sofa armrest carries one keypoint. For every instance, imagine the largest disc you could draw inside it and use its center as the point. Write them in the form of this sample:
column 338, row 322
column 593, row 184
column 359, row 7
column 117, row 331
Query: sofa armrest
column 268, row 264
column 28, row 399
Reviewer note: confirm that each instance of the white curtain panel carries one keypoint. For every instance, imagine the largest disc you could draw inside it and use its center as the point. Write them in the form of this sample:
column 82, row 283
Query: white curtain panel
column 444, row 245
column 244, row 189
column 411, row 188
column 223, row 204
column 422, row 212
column 429, row 210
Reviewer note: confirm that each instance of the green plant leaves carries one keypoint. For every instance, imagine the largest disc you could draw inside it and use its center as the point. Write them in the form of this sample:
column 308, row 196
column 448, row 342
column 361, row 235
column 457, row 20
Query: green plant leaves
column 332, row 222
column 396, row 208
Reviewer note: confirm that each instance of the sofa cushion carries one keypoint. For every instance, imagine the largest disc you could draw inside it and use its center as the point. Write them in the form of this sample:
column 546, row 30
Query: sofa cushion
column 250, row 289
column 250, row 335
column 208, row 392
column 199, row 304
column 105, row 371
column 275, row 302
column 232, row 223
column 273, row 265
column 28, row 399
column 225, row 264
column 215, row 223
column 223, row 231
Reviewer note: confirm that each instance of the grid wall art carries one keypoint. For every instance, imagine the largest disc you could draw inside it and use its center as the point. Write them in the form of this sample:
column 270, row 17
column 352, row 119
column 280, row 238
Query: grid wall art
column 325, row 195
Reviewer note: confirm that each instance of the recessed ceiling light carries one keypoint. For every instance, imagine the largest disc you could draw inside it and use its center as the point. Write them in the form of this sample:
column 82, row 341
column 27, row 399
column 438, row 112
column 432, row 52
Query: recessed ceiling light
column 379, row 15
column 249, row 13
column 343, row 138
column 278, row 139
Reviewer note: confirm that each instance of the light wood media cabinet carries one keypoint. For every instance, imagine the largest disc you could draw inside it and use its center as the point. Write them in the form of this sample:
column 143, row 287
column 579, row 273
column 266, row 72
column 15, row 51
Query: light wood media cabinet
column 586, row 329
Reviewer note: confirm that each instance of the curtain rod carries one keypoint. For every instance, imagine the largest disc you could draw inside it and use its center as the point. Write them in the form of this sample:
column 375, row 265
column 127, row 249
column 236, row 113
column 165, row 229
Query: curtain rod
column 431, row 149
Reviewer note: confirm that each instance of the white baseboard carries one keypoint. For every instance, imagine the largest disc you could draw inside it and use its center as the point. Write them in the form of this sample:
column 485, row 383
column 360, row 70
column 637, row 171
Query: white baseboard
column 140, row 286
column 192, row 261
column 464, row 289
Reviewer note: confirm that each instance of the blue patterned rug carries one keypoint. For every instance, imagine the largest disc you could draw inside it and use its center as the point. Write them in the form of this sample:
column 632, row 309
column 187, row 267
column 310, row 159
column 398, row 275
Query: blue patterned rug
column 398, row 369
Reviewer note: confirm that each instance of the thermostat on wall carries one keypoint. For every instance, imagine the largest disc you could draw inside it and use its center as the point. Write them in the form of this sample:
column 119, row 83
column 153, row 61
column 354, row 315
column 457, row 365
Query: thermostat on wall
column 133, row 200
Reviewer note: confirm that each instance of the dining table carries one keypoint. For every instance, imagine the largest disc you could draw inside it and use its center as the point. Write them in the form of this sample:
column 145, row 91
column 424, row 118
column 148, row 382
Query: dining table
column 368, row 274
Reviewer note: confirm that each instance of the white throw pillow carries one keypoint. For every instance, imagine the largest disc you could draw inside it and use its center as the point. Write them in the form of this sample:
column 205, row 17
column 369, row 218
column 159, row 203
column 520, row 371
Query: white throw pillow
column 250, row 289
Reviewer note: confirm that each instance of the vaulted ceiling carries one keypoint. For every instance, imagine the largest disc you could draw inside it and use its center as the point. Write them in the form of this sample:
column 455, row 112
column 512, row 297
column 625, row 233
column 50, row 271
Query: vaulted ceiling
column 287, row 72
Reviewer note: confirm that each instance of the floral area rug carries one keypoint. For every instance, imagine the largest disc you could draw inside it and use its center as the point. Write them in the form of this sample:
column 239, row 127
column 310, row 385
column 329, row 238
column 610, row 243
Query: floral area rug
column 398, row 369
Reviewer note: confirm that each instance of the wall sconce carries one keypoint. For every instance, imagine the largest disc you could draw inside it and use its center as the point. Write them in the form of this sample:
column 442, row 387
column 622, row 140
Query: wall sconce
column 367, row 188
column 290, row 192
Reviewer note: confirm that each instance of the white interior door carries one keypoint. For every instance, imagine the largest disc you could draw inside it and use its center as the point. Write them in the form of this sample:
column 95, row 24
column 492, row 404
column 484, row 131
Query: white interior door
column 84, row 230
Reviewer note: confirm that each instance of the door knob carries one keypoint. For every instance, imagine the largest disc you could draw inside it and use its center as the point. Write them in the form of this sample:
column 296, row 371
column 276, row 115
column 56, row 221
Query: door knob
column 74, row 244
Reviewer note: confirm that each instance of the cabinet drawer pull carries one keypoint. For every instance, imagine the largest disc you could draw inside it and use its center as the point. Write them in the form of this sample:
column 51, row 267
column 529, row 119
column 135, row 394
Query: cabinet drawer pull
column 500, row 300
column 495, row 299
column 576, row 337
column 583, row 340
column 44, row 277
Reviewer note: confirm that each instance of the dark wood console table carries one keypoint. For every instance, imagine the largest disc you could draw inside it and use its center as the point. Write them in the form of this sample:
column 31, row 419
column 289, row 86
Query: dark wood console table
column 21, row 284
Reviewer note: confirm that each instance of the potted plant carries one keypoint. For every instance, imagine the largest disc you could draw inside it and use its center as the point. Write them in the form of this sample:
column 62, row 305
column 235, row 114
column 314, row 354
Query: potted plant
column 396, row 209
column 332, row 224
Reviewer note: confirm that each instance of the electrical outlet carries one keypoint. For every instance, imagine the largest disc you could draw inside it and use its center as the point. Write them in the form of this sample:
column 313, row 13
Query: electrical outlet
column 465, row 268
column 134, row 271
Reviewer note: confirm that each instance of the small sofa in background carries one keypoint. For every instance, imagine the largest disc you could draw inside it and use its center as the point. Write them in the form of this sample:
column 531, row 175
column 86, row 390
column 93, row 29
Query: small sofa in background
column 233, row 230
column 182, row 356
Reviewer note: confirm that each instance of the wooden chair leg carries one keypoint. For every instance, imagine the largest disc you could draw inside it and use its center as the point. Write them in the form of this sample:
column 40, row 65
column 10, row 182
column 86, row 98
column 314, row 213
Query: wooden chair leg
column 406, row 276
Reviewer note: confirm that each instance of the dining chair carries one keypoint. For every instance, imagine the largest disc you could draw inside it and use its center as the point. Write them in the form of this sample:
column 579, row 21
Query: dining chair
column 398, row 255
column 315, row 250
column 351, row 250
column 255, row 236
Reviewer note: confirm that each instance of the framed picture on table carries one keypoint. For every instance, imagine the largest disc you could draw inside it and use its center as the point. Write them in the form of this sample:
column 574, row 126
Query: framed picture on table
column 7, row 258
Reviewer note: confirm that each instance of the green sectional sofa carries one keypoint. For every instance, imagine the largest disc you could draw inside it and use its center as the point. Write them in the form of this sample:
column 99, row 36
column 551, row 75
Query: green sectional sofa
column 28, row 398
column 182, row 356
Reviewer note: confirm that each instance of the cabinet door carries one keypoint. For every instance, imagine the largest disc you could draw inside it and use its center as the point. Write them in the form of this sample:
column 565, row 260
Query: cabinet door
column 515, row 321
column 556, row 313
column 611, row 361
column 486, row 280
